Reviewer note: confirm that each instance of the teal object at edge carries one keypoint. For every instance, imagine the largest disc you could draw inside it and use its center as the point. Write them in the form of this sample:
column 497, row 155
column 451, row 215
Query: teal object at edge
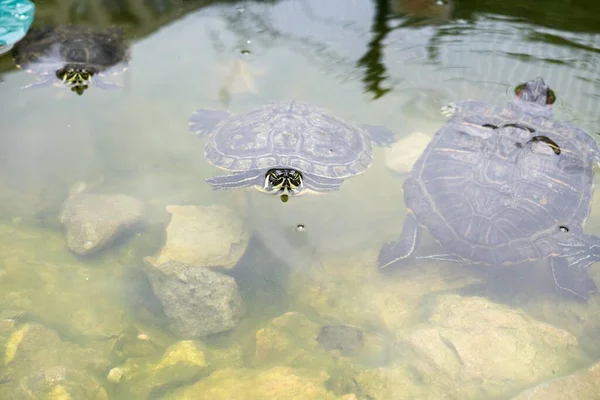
column 16, row 16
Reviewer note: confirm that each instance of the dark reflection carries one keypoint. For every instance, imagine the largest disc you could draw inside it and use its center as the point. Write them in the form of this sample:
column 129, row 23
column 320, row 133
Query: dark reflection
column 572, row 16
column 73, row 56
column 487, row 201
column 372, row 61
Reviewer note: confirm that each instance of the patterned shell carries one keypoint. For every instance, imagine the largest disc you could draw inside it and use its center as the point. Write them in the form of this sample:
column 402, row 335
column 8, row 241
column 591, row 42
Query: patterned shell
column 292, row 135
column 47, row 49
column 495, row 183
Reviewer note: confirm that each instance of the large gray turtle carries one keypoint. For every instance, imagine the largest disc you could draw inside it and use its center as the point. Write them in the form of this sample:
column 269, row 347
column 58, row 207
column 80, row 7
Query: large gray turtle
column 505, row 185
column 286, row 148
column 75, row 56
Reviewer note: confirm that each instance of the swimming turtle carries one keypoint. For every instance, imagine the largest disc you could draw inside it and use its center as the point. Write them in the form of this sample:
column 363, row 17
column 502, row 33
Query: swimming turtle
column 504, row 185
column 75, row 56
column 286, row 148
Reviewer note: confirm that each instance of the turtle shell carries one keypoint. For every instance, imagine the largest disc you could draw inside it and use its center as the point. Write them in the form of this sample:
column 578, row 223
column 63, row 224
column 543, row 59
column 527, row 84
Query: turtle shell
column 51, row 48
column 495, row 183
column 295, row 135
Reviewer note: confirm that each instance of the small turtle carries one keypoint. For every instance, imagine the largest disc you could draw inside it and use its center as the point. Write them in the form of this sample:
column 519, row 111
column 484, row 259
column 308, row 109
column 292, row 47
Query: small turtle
column 74, row 56
column 286, row 148
column 505, row 185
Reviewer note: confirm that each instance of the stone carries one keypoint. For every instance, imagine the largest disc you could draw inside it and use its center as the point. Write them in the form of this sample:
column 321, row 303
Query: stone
column 472, row 340
column 402, row 155
column 197, row 300
column 286, row 338
column 114, row 375
column 203, row 236
column 242, row 384
column 40, row 281
column 182, row 362
column 581, row 385
column 92, row 221
column 42, row 366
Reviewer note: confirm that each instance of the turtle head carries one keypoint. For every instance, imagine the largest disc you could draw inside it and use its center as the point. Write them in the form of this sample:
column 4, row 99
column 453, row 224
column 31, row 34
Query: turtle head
column 77, row 78
column 283, row 181
column 535, row 91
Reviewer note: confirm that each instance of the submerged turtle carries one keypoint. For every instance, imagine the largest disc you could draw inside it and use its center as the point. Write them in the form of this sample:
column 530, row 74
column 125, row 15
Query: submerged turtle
column 74, row 56
column 286, row 148
column 505, row 185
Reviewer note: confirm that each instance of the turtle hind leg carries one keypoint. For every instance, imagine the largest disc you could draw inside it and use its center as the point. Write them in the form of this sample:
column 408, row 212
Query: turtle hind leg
column 572, row 279
column 569, row 269
column 395, row 253
column 237, row 180
column 204, row 121
column 380, row 135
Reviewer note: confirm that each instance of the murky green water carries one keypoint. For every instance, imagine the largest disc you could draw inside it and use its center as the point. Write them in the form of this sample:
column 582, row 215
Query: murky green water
column 75, row 327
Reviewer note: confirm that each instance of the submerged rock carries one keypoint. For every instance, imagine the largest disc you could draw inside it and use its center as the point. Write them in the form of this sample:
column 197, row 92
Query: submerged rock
column 286, row 339
column 345, row 338
column 197, row 300
column 472, row 340
column 39, row 281
column 403, row 154
column 41, row 365
column 179, row 364
column 92, row 221
column 242, row 384
column 582, row 385
column 203, row 236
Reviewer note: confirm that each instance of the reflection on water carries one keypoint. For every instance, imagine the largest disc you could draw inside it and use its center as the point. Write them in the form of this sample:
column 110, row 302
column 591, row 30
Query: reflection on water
column 126, row 176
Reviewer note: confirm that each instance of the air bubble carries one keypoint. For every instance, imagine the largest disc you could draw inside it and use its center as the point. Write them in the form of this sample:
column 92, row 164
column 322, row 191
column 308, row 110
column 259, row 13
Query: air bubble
column 563, row 228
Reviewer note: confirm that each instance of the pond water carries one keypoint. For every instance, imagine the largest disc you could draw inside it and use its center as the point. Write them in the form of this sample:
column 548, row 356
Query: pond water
column 101, row 326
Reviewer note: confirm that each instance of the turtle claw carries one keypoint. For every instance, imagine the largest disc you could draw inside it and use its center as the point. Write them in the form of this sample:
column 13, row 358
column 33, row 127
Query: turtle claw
column 449, row 110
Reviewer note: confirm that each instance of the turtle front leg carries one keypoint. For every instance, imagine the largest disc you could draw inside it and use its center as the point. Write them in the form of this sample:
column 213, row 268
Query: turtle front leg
column 43, row 81
column 237, row 180
column 569, row 270
column 403, row 249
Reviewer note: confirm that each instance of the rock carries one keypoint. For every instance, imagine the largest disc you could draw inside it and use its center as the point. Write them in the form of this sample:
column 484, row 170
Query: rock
column 353, row 290
column 474, row 340
column 42, row 282
column 92, row 221
column 41, row 365
column 286, row 338
column 582, row 385
column 197, row 300
column 249, row 384
column 402, row 155
column 203, row 236
column 186, row 352
column 345, row 338
column 114, row 375
column 180, row 363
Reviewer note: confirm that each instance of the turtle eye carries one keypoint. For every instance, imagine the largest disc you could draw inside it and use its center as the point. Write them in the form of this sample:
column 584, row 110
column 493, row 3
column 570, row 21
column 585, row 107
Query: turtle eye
column 518, row 89
column 550, row 97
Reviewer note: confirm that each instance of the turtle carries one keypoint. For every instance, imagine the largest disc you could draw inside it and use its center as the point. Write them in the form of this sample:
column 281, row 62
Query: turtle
column 502, row 185
column 71, row 55
column 286, row 148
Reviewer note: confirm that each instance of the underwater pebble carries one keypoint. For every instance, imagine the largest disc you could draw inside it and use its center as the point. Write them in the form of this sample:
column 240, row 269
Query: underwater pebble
column 115, row 375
